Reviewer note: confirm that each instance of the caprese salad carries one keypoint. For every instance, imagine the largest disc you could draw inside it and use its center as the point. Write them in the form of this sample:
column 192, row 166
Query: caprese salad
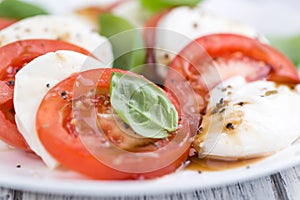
column 66, row 97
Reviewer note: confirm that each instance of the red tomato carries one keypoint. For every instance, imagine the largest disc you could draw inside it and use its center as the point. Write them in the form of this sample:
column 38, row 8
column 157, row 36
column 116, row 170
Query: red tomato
column 6, row 22
column 78, row 144
column 13, row 57
column 210, row 59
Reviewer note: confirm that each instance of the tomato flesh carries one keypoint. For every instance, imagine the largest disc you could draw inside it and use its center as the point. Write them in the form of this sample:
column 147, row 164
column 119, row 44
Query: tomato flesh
column 223, row 45
column 211, row 59
column 13, row 57
column 80, row 147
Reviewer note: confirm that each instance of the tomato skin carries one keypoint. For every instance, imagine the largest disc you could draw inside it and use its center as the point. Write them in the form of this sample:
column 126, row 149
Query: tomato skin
column 198, row 59
column 222, row 45
column 9, row 132
column 6, row 22
column 13, row 57
column 68, row 148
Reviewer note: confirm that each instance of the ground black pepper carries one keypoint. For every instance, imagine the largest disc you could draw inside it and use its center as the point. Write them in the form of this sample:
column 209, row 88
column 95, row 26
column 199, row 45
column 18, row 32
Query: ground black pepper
column 11, row 82
column 229, row 126
column 63, row 95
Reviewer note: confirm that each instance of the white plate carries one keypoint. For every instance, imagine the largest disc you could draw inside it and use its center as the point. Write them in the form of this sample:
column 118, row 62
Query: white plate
column 33, row 175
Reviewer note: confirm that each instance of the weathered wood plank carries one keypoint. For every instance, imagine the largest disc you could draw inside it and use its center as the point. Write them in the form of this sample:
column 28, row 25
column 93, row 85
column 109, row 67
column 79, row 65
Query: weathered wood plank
column 257, row 189
column 279, row 186
column 291, row 180
column 10, row 194
column 6, row 194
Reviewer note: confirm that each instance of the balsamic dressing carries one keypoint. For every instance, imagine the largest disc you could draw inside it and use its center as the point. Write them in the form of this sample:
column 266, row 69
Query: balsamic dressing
column 210, row 164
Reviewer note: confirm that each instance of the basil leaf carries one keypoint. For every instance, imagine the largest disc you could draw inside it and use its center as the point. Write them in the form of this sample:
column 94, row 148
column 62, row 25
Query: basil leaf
column 289, row 46
column 127, row 42
column 142, row 105
column 16, row 9
column 157, row 5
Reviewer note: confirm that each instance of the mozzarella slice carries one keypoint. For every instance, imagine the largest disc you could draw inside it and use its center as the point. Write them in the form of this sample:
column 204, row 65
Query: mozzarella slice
column 67, row 28
column 246, row 120
column 183, row 24
column 32, row 83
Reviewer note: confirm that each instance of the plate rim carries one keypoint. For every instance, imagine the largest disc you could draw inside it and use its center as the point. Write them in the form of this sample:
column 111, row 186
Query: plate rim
column 81, row 186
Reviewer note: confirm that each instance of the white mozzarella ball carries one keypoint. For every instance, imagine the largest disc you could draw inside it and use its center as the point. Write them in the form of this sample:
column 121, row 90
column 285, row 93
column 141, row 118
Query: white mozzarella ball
column 245, row 120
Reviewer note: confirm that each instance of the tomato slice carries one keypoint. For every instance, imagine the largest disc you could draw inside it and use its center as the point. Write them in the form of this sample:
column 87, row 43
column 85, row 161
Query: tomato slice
column 6, row 22
column 96, row 145
column 210, row 59
column 13, row 57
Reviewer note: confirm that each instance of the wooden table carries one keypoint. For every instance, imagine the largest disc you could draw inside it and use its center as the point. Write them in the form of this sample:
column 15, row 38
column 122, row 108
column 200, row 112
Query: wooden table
column 283, row 185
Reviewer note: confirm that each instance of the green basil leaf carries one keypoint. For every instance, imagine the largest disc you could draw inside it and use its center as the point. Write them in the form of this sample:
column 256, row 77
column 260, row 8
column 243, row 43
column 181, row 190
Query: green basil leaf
column 127, row 42
column 16, row 9
column 157, row 5
column 142, row 105
column 289, row 46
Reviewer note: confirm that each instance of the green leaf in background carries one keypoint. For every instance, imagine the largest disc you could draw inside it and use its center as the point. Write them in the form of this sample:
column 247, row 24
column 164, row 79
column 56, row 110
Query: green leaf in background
column 127, row 42
column 157, row 5
column 142, row 105
column 16, row 9
column 290, row 46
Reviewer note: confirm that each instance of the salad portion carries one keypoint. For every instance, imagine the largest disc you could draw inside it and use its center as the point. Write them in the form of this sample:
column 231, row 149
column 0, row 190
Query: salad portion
column 136, row 89
column 43, row 73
